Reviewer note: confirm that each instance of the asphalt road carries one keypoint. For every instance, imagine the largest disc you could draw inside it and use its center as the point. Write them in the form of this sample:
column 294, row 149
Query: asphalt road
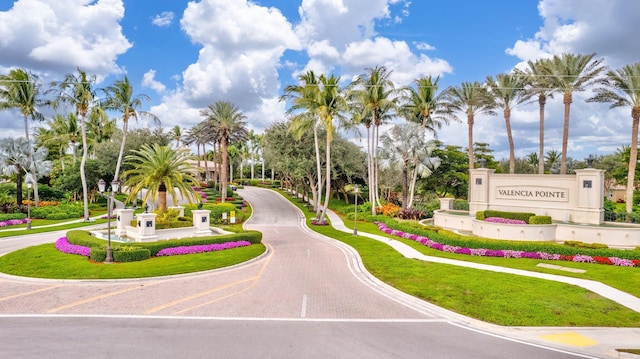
column 308, row 297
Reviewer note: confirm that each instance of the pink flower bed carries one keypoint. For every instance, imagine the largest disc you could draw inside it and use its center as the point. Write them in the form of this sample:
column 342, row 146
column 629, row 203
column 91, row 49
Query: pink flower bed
column 63, row 245
column 504, row 220
column 174, row 251
column 508, row 253
column 13, row 222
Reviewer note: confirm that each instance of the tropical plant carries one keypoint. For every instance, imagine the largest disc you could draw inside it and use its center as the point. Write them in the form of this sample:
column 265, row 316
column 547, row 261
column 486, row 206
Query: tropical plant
column 552, row 158
column 304, row 118
column 571, row 73
column 121, row 98
column 507, row 92
column 21, row 90
column 177, row 135
column 374, row 94
column 226, row 120
column 422, row 104
column 533, row 160
column 538, row 84
column 159, row 169
column 18, row 158
column 621, row 88
column 77, row 91
column 470, row 99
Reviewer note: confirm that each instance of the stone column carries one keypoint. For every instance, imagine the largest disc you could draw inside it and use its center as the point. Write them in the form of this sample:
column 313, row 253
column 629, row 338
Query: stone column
column 123, row 219
column 201, row 221
column 479, row 189
column 590, row 182
column 146, row 225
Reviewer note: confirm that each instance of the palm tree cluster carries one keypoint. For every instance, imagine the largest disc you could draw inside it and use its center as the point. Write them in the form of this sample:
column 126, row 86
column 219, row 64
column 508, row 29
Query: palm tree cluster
column 80, row 120
column 225, row 128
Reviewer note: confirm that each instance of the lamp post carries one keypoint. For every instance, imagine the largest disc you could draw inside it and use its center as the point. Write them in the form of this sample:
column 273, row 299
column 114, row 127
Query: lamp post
column 29, row 184
column 590, row 160
column 355, row 212
column 114, row 188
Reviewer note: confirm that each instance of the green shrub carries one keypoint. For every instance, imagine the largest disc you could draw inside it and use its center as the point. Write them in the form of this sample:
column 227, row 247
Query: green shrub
column 98, row 254
column 586, row 245
column 8, row 216
column 523, row 216
column 47, row 193
column 57, row 216
column 540, row 220
column 480, row 215
column 130, row 254
column 70, row 210
column 218, row 209
column 174, row 224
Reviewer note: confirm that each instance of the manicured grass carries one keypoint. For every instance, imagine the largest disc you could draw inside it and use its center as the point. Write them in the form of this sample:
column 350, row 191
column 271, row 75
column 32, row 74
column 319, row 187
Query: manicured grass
column 498, row 298
column 45, row 261
column 10, row 231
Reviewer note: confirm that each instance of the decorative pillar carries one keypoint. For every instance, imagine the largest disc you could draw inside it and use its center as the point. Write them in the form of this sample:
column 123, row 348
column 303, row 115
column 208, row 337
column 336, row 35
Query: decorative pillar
column 201, row 221
column 123, row 219
column 479, row 189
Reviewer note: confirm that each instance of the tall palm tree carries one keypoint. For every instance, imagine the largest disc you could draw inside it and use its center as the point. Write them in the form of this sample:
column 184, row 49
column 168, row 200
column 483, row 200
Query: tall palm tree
column 304, row 118
column 159, row 169
column 470, row 99
column 507, row 92
column 196, row 135
column 331, row 105
column 21, row 90
column 77, row 90
column 229, row 124
column 377, row 96
column 121, row 98
column 99, row 128
column 538, row 84
column 534, row 161
column 422, row 104
column 621, row 88
column 571, row 73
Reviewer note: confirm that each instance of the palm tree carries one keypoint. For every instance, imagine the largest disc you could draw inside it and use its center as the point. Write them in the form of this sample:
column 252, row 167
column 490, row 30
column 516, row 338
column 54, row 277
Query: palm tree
column 552, row 157
column 471, row 99
column 533, row 160
column 508, row 92
column 77, row 90
column 99, row 128
column 20, row 90
column 376, row 95
column 121, row 98
column 195, row 135
column 305, row 118
column 229, row 124
column 176, row 134
column 538, row 84
column 422, row 104
column 158, row 169
column 570, row 73
column 331, row 104
column 621, row 88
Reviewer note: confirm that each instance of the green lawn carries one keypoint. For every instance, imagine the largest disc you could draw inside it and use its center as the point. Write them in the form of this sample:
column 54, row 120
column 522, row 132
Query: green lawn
column 498, row 298
column 45, row 261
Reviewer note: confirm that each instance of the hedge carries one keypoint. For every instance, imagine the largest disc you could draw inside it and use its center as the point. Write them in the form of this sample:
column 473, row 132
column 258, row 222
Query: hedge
column 84, row 238
column 449, row 238
column 120, row 254
column 540, row 220
column 523, row 216
column 9, row 216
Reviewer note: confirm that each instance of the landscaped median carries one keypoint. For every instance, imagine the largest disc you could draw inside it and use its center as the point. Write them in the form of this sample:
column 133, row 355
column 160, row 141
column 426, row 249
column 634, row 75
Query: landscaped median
column 203, row 253
column 499, row 298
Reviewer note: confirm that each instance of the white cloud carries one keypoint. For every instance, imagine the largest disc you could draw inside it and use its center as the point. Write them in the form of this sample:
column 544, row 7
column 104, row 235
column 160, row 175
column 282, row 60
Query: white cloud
column 577, row 26
column 148, row 79
column 57, row 37
column 423, row 46
column 163, row 19
column 242, row 45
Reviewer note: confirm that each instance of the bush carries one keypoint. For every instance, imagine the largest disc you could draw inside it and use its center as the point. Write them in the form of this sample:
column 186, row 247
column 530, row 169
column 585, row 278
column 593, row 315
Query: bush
column 389, row 209
column 411, row 213
column 523, row 216
column 130, row 254
column 540, row 220
column 47, row 193
column 57, row 216
column 579, row 244
column 9, row 216
column 62, row 211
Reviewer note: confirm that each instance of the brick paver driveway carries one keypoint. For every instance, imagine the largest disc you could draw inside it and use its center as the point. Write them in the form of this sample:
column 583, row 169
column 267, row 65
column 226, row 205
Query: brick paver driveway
column 303, row 275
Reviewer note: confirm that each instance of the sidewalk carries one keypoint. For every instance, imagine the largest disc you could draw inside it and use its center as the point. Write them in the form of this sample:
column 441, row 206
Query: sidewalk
column 597, row 342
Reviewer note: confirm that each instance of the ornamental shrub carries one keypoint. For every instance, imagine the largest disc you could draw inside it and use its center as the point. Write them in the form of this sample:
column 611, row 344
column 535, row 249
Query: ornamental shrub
column 523, row 216
column 9, row 216
column 540, row 220
column 98, row 254
column 130, row 254
column 389, row 209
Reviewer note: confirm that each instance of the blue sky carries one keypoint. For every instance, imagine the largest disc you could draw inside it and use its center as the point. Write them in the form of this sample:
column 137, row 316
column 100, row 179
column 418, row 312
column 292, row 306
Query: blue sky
column 185, row 55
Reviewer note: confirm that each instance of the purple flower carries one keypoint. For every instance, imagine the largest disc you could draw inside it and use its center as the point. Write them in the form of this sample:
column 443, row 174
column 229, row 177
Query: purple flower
column 504, row 220
column 63, row 245
column 173, row 251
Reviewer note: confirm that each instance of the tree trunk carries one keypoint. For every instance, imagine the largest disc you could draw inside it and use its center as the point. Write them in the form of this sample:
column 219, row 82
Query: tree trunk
column 542, row 99
column 316, row 203
column 125, row 127
column 412, row 186
column 470, row 149
column 633, row 159
column 327, row 193
column 405, row 180
column 372, row 187
column 512, row 155
column 376, row 169
column 83, row 177
column 565, row 132
column 223, row 169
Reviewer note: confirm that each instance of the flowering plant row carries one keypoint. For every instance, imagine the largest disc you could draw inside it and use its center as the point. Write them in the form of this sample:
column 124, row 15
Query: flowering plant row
column 508, row 253
column 13, row 222
column 173, row 251
column 63, row 245
column 504, row 220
